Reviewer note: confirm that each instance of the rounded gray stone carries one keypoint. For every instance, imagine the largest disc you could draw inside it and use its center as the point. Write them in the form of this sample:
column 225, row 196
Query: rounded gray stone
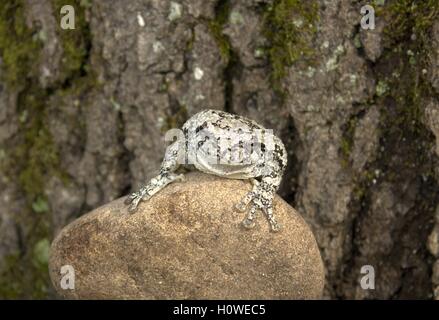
column 187, row 243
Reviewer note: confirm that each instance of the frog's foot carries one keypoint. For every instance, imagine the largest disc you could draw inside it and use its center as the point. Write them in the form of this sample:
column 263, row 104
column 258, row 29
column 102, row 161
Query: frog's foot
column 133, row 206
column 134, row 199
column 264, row 205
column 154, row 186
column 249, row 221
column 275, row 226
column 179, row 177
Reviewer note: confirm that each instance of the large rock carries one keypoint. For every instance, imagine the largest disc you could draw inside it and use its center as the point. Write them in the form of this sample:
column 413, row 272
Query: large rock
column 187, row 243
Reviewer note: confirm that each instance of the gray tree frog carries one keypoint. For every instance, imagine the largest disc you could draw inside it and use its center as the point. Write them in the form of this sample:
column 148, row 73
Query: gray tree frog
column 230, row 146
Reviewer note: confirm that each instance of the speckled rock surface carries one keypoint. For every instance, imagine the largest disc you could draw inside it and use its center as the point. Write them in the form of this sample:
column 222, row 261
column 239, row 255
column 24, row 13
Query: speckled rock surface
column 187, row 243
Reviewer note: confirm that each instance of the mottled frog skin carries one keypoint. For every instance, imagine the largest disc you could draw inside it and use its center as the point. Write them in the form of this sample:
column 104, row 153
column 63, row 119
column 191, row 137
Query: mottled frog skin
column 230, row 146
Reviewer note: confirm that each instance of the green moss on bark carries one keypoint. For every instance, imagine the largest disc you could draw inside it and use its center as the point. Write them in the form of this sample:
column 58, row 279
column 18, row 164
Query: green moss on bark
column 402, row 89
column 19, row 46
column 26, row 275
column 32, row 157
column 289, row 26
column 38, row 155
column 407, row 44
column 75, row 42
column 347, row 140
column 406, row 156
column 29, row 163
column 216, row 27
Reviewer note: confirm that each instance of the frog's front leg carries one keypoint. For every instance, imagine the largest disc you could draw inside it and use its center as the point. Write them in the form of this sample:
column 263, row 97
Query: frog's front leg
column 261, row 198
column 170, row 163
column 146, row 192
column 243, row 204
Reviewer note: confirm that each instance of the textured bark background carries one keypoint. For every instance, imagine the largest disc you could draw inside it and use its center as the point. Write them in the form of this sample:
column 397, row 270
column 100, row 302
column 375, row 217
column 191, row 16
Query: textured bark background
column 83, row 114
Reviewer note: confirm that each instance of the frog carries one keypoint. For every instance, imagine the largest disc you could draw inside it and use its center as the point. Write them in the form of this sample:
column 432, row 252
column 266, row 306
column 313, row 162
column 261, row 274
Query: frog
column 227, row 145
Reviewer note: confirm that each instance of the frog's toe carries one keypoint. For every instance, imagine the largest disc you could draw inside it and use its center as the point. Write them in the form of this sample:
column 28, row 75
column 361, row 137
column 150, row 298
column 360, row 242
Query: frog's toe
column 129, row 199
column 275, row 226
column 240, row 207
column 248, row 223
column 134, row 204
column 180, row 177
column 132, row 209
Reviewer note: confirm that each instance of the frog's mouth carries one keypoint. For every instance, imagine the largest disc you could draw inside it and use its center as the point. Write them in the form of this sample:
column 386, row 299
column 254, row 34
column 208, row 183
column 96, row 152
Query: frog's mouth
column 224, row 169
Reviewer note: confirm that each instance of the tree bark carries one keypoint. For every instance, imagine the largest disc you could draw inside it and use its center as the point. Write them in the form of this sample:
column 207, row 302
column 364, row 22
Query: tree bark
column 83, row 115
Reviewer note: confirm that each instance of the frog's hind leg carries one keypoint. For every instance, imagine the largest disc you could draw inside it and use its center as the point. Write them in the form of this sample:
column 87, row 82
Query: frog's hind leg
column 170, row 163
